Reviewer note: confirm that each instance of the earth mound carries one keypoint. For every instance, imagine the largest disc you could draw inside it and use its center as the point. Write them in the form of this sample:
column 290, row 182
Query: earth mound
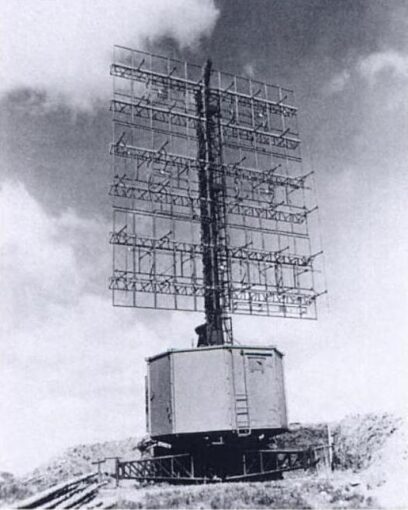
column 370, row 460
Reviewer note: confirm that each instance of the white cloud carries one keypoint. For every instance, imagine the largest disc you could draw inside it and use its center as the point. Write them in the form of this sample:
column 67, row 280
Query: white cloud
column 249, row 69
column 29, row 249
column 383, row 74
column 386, row 73
column 67, row 356
column 65, row 46
column 338, row 82
column 392, row 61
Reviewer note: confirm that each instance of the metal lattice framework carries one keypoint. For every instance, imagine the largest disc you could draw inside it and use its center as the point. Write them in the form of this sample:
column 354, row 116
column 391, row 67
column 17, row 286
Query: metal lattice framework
column 210, row 201
column 252, row 465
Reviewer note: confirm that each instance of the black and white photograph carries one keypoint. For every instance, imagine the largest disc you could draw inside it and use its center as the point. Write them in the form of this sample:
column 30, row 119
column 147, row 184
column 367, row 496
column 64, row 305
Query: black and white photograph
column 204, row 254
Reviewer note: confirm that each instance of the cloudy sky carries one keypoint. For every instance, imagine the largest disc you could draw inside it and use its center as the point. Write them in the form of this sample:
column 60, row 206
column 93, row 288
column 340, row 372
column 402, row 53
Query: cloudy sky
column 72, row 366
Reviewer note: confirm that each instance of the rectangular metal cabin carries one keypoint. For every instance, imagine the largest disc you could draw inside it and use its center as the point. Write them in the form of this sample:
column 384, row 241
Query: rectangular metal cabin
column 215, row 390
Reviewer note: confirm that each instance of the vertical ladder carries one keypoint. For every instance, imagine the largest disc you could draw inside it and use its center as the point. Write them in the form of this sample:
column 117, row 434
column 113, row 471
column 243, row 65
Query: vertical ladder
column 242, row 414
column 242, row 417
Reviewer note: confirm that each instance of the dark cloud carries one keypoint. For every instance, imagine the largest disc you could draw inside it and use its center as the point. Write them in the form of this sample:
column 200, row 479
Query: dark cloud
column 60, row 154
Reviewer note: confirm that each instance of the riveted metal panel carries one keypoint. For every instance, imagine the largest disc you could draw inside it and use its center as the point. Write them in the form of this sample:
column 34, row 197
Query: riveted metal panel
column 202, row 392
column 280, row 389
column 160, row 397
column 266, row 397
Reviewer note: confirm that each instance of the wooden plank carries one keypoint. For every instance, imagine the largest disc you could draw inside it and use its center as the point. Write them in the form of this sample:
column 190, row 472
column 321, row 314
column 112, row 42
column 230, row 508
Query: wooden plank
column 45, row 496
column 84, row 495
column 55, row 502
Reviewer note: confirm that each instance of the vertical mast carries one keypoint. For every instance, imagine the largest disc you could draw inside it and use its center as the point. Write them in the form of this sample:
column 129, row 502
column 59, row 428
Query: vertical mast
column 214, row 237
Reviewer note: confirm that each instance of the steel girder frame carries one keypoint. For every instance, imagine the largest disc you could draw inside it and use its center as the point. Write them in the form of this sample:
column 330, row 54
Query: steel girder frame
column 255, row 465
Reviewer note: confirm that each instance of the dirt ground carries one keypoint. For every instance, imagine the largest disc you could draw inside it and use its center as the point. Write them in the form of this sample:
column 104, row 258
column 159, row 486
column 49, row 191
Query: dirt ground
column 317, row 491
column 370, row 457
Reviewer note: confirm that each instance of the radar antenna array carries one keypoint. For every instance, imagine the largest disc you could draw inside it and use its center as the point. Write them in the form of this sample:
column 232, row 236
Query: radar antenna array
column 210, row 204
